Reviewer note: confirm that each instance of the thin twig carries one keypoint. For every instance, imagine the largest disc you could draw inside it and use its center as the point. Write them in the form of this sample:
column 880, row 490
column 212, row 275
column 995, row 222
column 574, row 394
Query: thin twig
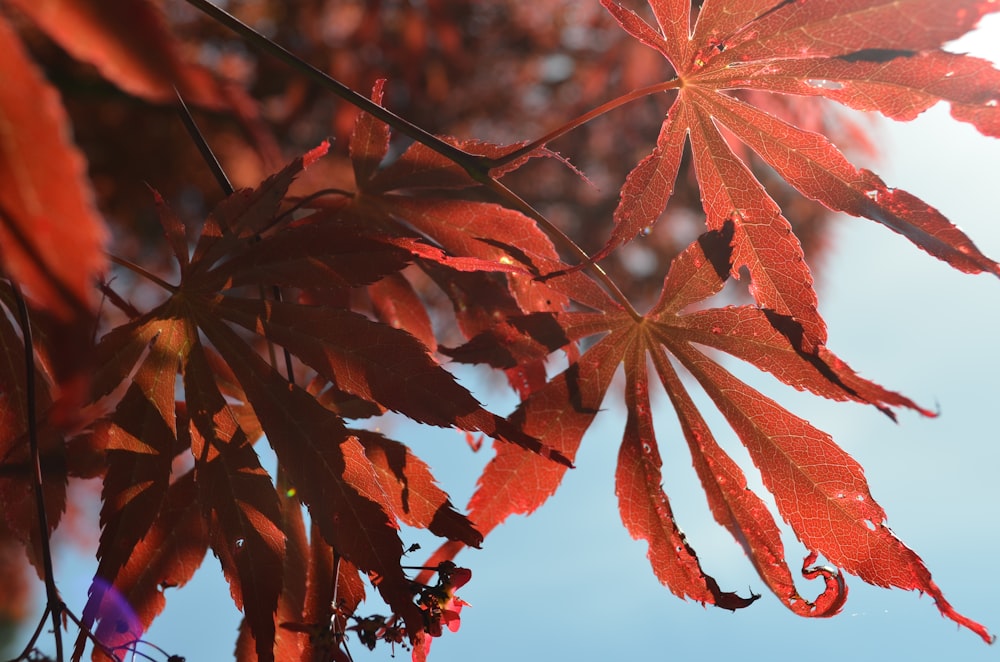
column 90, row 635
column 117, row 300
column 54, row 603
column 563, row 129
column 303, row 201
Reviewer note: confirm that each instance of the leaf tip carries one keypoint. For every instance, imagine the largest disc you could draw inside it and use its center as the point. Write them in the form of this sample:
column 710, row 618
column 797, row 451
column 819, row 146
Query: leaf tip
column 316, row 153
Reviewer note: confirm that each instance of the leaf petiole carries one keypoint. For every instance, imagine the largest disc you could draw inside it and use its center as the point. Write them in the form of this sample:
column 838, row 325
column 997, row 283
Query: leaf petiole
column 305, row 200
column 563, row 129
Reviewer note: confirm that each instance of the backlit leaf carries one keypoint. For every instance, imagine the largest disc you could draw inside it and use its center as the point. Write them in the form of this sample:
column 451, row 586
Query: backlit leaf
column 791, row 47
column 390, row 367
column 644, row 507
column 416, row 498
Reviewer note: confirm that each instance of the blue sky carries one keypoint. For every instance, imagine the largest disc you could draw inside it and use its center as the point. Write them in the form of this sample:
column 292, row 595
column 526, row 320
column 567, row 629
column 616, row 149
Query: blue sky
column 569, row 583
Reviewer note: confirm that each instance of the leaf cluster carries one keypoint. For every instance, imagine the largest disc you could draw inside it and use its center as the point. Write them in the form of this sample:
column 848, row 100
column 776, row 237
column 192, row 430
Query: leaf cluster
column 300, row 308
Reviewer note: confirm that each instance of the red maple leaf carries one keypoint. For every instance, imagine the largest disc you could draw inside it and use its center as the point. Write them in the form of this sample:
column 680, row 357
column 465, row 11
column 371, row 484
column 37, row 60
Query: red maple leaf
column 865, row 53
column 819, row 489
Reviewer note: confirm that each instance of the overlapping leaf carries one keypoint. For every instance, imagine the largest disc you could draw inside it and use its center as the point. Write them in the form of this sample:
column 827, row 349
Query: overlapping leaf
column 356, row 484
column 390, row 368
column 482, row 255
column 238, row 499
column 397, row 304
column 140, row 441
column 408, row 193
